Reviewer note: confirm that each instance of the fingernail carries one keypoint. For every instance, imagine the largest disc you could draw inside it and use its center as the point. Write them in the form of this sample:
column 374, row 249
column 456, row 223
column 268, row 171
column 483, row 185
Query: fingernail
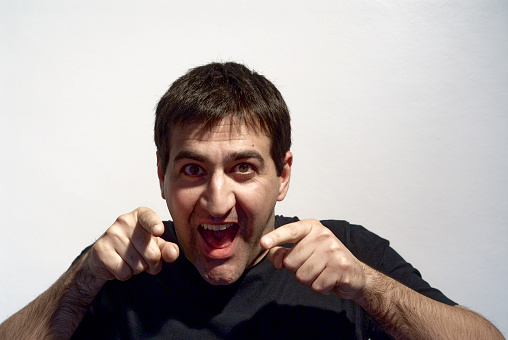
column 268, row 242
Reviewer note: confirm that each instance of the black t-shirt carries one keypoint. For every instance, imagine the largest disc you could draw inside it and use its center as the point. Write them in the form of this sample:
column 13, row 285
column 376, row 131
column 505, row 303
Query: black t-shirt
column 265, row 303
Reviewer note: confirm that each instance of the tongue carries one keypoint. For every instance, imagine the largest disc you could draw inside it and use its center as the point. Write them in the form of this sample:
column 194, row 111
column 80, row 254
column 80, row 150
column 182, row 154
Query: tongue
column 220, row 238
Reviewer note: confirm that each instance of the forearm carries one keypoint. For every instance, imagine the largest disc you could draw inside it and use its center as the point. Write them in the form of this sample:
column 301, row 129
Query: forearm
column 406, row 314
column 57, row 312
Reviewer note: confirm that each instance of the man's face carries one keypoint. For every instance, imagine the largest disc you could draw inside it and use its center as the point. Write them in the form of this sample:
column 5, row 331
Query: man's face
column 221, row 187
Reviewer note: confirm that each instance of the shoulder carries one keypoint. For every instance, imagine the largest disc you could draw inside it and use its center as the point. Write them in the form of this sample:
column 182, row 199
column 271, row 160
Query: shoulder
column 364, row 244
column 348, row 233
column 356, row 238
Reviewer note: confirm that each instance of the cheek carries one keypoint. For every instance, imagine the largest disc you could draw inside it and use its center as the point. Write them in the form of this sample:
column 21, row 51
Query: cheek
column 181, row 201
column 259, row 199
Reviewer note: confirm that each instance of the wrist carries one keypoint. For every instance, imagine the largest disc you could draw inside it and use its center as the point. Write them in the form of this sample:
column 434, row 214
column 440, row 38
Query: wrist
column 377, row 291
column 87, row 276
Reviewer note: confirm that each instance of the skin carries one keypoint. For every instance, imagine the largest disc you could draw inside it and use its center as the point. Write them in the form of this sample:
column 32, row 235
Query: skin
column 130, row 246
column 223, row 175
column 320, row 261
column 226, row 175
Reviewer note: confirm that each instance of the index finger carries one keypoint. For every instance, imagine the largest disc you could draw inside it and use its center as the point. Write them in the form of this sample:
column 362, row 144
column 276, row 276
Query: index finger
column 150, row 221
column 288, row 233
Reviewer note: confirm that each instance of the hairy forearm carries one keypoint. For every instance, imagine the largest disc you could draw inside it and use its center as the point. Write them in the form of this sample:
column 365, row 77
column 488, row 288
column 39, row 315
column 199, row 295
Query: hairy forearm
column 57, row 312
column 406, row 314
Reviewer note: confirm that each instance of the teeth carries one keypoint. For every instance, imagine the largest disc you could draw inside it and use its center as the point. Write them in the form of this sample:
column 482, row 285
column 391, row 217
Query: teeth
column 216, row 227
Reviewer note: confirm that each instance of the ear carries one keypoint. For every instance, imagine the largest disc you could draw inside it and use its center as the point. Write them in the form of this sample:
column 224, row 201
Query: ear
column 285, row 176
column 161, row 175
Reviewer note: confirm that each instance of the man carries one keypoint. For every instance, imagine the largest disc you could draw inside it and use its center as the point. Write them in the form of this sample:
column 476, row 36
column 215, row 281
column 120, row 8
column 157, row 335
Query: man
column 227, row 267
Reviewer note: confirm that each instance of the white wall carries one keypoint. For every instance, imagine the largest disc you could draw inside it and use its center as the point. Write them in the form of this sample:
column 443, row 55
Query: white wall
column 400, row 112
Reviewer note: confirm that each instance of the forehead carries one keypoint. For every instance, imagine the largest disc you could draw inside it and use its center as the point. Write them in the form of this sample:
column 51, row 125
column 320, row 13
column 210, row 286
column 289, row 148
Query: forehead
column 225, row 132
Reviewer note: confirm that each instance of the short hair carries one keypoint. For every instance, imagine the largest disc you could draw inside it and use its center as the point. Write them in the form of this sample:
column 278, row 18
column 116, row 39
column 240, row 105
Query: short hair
column 210, row 93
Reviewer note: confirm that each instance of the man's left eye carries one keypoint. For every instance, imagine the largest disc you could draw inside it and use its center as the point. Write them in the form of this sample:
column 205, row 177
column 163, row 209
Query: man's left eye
column 244, row 168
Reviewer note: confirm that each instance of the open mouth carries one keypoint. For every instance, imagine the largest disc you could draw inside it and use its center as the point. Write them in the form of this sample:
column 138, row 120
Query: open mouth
column 219, row 236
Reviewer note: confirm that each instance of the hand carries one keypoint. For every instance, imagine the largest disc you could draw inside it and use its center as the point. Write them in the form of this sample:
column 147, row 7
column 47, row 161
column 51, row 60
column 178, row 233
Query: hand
column 318, row 259
column 130, row 246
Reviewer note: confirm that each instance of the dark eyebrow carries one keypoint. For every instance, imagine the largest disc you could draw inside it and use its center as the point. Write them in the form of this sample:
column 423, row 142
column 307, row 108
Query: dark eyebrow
column 186, row 154
column 235, row 156
column 244, row 155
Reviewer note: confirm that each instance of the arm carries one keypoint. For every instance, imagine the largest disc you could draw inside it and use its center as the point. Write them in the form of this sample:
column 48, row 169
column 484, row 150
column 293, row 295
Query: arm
column 130, row 246
column 57, row 312
column 406, row 314
column 319, row 260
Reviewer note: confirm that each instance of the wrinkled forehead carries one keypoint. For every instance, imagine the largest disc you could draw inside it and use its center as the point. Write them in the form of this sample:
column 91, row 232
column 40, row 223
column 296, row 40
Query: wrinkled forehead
column 228, row 128
column 226, row 138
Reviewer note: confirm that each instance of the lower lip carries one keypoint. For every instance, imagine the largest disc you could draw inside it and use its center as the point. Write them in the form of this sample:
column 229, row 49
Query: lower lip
column 220, row 253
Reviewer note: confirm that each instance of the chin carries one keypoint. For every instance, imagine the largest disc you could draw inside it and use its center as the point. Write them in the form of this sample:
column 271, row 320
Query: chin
column 221, row 276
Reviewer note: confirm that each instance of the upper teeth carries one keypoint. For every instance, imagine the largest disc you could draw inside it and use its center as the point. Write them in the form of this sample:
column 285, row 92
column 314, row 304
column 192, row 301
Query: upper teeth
column 217, row 227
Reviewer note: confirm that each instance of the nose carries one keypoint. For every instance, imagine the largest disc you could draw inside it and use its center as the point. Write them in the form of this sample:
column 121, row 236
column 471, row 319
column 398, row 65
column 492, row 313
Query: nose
column 219, row 197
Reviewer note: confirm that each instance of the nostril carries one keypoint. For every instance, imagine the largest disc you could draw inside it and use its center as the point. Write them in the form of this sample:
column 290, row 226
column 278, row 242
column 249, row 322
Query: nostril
column 219, row 198
column 219, row 213
column 219, row 207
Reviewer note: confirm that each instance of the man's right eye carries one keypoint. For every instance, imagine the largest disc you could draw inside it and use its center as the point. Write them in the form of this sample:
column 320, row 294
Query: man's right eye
column 193, row 170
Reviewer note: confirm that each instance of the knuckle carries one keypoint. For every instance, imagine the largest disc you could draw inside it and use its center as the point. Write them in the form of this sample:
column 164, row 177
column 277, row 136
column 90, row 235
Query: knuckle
column 293, row 230
column 346, row 281
column 143, row 213
column 137, row 264
column 124, row 219
column 101, row 249
column 151, row 259
column 336, row 254
column 325, row 233
column 325, row 282
column 97, row 250
column 110, row 237
column 152, row 253
column 335, row 251
column 303, row 278
column 288, row 264
column 317, row 286
column 123, row 276
column 312, row 223
column 123, row 272
column 155, row 269
column 142, row 210
column 98, row 247
column 321, row 287
column 343, row 263
column 112, row 231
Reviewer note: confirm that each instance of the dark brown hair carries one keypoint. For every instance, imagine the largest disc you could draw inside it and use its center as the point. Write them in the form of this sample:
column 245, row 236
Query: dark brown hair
column 208, row 94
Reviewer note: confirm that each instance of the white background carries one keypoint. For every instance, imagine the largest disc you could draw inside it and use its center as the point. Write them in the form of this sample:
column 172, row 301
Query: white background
column 400, row 118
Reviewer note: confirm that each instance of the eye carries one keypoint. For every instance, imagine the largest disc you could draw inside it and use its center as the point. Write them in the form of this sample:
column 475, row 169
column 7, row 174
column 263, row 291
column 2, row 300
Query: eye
column 193, row 170
column 244, row 168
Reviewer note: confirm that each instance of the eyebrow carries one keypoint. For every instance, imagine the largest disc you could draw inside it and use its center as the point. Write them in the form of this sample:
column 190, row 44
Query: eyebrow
column 186, row 154
column 235, row 156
